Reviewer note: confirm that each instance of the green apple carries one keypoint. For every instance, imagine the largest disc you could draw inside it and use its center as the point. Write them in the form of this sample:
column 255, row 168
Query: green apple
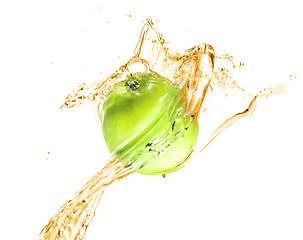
column 144, row 121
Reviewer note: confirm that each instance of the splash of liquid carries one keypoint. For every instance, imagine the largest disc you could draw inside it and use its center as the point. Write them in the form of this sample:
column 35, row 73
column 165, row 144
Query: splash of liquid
column 195, row 70
column 74, row 216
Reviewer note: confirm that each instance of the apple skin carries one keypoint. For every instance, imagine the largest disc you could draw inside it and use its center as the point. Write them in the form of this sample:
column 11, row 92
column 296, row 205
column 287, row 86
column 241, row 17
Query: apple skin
column 144, row 122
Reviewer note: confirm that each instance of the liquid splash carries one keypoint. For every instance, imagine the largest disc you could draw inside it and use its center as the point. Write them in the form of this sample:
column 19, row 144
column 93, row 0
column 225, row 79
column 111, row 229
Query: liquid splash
column 195, row 70
column 198, row 68
column 74, row 216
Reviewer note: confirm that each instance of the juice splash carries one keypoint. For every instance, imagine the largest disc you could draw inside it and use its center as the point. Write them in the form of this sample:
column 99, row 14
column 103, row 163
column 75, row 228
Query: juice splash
column 195, row 72
column 74, row 216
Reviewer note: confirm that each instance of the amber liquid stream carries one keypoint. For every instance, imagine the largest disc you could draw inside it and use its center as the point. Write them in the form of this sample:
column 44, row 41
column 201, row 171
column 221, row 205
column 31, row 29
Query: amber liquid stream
column 74, row 216
column 194, row 69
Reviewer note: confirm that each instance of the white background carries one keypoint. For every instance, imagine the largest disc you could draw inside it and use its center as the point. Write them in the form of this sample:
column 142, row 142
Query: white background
column 248, row 184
